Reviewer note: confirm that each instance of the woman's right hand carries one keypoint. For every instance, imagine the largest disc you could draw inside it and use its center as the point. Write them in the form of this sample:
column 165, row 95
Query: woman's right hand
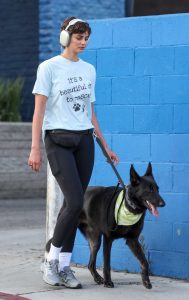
column 34, row 161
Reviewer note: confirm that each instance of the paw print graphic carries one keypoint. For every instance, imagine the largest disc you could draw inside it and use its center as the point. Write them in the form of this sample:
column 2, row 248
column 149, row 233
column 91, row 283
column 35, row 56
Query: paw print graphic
column 76, row 106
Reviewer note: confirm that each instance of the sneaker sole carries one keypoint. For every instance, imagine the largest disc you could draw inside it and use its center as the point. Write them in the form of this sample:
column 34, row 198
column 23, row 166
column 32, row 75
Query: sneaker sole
column 42, row 267
column 51, row 282
column 79, row 286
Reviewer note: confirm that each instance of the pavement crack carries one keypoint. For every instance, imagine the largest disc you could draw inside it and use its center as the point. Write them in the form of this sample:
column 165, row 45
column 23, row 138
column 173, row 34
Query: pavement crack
column 40, row 291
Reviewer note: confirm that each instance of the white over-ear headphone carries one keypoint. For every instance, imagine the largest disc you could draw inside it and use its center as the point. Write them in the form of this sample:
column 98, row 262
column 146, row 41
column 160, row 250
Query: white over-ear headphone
column 64, row 35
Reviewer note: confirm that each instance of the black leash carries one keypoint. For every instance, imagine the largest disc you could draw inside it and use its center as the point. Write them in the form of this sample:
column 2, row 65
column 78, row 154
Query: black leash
column 109, row 161
column 120, row 180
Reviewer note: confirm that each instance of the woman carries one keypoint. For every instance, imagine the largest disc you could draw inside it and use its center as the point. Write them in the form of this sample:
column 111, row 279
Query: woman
column 64, row 96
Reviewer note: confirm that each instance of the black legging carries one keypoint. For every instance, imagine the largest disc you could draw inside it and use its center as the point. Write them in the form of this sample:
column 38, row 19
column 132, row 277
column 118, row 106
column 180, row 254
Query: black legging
column 71, row 158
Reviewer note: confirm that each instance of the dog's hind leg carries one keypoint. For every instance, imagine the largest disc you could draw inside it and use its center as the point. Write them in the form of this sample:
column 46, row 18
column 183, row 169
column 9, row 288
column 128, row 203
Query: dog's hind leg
column 107, row 244
column 94, row 240
column 136, row 248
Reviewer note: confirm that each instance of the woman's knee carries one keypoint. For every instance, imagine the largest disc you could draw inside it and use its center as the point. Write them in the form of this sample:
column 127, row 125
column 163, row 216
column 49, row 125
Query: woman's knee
column 75, row 208
column 78, row 208
column 72, row 208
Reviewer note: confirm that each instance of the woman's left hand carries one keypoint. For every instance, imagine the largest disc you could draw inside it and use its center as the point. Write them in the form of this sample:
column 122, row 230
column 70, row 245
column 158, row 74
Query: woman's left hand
column 112, row 155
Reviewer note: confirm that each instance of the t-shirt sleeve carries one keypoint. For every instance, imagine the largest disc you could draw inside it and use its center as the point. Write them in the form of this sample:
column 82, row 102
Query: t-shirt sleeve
column 43, row 81
column 93, row 81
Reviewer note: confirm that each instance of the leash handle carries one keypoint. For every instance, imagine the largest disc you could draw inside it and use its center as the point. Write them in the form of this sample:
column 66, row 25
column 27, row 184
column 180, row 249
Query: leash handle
column 109, row 160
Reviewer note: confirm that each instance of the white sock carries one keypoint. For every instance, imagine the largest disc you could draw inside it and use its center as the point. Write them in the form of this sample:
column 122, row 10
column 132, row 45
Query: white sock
column 53, row 253
column 64, row 260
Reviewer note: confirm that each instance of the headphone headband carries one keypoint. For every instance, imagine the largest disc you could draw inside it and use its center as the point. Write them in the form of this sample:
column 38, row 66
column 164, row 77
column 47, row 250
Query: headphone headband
column 73, row 22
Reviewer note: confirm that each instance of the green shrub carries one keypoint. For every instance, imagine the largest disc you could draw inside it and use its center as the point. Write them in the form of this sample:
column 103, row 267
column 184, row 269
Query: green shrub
column 10, row 99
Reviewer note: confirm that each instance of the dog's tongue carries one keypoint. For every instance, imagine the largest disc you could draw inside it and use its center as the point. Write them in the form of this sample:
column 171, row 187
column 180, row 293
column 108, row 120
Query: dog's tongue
column 155, row 212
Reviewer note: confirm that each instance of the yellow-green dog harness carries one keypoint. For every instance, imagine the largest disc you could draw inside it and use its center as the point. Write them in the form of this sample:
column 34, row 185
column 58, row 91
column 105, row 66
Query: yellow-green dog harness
column 122, row 215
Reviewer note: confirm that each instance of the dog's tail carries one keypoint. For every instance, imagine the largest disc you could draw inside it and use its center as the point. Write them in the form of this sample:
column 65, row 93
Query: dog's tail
column 47, row 247
column 48, row 244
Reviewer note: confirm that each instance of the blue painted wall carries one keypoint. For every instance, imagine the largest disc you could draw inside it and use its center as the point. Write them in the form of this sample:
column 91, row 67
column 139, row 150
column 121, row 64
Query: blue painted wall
column 143, row 106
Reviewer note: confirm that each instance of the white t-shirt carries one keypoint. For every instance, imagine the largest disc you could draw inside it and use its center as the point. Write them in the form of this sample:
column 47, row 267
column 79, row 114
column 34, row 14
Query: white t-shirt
column 70, row 88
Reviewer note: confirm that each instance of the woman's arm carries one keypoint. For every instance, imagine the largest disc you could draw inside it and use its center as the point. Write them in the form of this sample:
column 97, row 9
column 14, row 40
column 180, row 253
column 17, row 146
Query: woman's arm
column 34, row 160
column 98, row 132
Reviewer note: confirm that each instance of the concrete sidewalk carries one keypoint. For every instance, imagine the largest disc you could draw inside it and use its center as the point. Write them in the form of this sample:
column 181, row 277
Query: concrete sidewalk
column 22, row 241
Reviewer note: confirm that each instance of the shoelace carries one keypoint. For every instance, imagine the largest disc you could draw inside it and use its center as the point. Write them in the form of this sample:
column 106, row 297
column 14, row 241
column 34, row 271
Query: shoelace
column 67, row 273
column 52, row 267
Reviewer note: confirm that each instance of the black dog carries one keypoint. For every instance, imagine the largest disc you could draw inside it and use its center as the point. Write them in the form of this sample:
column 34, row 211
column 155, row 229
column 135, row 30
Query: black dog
column 97, row 220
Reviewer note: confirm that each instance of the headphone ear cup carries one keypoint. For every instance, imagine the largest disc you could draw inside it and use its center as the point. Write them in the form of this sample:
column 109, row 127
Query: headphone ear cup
column 64, row 38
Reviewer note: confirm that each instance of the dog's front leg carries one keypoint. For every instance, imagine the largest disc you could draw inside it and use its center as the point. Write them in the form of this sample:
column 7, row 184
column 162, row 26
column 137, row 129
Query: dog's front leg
column 137, row 250
column 94, row 243
column 107, row 244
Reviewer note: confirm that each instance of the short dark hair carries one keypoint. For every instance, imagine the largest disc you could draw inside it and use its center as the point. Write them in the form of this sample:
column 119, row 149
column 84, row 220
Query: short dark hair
column 79, row 27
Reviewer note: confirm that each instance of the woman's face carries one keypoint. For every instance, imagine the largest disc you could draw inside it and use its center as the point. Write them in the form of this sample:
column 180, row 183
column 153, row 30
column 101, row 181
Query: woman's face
column 78, row 42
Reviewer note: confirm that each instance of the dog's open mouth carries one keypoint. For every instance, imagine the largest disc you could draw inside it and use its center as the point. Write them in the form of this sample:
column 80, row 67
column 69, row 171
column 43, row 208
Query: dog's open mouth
column 152, row 209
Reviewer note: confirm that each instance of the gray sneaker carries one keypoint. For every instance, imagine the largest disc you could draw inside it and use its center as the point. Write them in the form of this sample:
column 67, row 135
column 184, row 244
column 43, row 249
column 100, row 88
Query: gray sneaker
column 68, row 279
column 50, row 275
column 42, row 266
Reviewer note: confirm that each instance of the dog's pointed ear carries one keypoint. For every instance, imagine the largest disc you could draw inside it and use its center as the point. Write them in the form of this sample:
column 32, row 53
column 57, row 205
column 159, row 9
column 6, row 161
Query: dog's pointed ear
column 149, row 170
column 134, row 177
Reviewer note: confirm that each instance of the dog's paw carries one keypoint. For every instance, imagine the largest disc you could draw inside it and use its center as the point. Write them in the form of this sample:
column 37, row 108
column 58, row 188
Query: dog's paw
column 109, row 284
column 147, row 284
column 98, row 279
